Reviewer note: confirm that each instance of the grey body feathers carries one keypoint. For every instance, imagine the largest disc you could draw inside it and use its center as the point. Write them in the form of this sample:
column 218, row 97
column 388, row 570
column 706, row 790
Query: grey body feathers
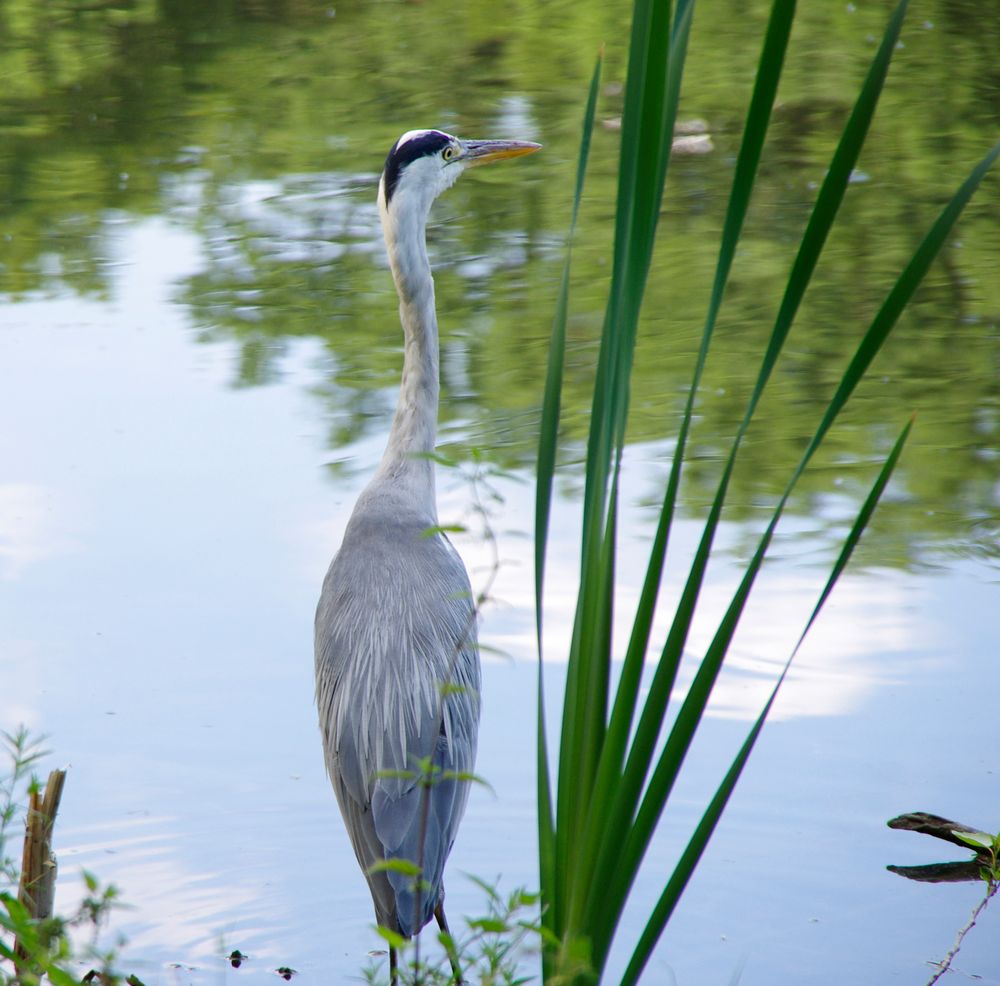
column 394, row 624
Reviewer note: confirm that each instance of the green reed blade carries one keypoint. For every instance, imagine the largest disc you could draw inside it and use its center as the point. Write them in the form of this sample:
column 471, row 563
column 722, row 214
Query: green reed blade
column 672, row 758
column 650, row 107
column 586, row 689
column 584, row 711
column 611, row 813
column 902, row 291
column 547, row 444
column 860, row 523
column 552, row 399
column 643, row 176
column 829, row 199
column 699, row 840
column 600, row 803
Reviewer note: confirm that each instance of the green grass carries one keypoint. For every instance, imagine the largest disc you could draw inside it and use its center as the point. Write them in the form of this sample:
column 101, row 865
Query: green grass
column 616, row 768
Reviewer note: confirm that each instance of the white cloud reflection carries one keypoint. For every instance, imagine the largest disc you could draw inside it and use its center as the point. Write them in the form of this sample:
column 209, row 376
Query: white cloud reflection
column 33, row 528
column 868, row 628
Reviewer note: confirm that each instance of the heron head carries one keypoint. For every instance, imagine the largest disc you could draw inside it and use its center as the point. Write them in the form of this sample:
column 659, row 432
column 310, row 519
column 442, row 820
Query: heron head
column 423, row 163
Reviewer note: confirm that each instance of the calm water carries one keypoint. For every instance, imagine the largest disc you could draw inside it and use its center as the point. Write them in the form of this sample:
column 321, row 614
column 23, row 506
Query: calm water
column 198, row 355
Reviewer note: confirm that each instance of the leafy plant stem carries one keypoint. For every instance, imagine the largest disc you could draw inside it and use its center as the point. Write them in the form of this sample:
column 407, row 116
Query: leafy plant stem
column 945, row 964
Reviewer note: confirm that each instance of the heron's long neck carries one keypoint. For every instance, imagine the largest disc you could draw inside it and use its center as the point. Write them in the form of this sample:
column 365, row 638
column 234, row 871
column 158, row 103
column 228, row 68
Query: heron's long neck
column 414, row 426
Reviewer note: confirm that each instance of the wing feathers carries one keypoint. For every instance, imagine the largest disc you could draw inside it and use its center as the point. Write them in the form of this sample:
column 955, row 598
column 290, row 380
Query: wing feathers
column 392, row 629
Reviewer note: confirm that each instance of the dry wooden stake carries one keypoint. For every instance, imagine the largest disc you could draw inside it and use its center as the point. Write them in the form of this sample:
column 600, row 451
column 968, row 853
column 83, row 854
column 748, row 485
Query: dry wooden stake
column 38, row 863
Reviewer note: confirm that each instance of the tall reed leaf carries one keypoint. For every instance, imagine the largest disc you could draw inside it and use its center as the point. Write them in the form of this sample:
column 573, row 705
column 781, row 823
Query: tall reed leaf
column 547, row 443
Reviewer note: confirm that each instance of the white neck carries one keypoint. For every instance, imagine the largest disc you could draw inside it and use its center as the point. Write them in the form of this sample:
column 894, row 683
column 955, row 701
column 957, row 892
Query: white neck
column 414, row 427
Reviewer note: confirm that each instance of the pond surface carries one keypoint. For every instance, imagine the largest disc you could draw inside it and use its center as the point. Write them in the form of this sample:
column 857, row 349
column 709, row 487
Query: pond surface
column 198, row 359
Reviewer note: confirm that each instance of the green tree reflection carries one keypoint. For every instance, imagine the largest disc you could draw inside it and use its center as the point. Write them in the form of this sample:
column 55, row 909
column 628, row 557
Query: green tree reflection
column 261, row 126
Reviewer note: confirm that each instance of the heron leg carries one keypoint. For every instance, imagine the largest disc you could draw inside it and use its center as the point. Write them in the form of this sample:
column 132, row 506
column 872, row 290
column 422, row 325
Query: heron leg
column 393, row 971
column 442, row 921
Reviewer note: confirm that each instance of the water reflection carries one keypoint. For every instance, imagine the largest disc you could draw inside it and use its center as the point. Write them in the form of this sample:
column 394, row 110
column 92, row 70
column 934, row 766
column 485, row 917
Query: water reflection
column 33, row 528
column 944, row 829
column 247, row 124
column 874, row 632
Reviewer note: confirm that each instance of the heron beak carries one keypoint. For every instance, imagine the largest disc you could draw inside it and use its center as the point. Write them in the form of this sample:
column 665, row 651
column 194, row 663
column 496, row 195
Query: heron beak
column 483, row 151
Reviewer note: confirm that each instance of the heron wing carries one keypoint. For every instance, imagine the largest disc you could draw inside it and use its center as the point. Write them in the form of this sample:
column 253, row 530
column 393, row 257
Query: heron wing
column 398, row 689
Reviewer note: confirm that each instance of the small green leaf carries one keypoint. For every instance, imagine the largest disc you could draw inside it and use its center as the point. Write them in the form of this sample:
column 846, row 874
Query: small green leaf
column 398, row 775
column 405, row 866
column 497, row 651
column 436, row 529
column 490, row 925
column 17, row 910
column 437, row 458
column 466, row 775
column 975, row 839
column 60, row 977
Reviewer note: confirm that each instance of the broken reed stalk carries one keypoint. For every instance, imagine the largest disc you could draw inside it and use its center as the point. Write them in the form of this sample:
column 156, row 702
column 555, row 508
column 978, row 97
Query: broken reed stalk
column 38, row 863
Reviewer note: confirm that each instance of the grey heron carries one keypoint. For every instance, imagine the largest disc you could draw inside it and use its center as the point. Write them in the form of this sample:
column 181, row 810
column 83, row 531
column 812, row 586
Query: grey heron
column 397, row 669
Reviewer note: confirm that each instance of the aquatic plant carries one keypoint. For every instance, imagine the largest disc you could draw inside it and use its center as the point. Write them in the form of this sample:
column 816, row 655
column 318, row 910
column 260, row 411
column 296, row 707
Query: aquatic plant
column 491, row 949
column 617, row 762
column 37, row 944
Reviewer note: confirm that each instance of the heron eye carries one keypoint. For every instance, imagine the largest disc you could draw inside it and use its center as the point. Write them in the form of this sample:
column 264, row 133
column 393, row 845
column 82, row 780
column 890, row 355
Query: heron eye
column 448, row 153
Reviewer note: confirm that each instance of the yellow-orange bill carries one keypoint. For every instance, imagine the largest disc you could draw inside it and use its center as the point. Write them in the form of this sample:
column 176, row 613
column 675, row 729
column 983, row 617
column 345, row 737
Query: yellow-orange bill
column 483, row 151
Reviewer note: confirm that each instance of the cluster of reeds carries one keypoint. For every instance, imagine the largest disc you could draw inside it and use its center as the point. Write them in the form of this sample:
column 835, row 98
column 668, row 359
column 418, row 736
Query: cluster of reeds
column 617, row 763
